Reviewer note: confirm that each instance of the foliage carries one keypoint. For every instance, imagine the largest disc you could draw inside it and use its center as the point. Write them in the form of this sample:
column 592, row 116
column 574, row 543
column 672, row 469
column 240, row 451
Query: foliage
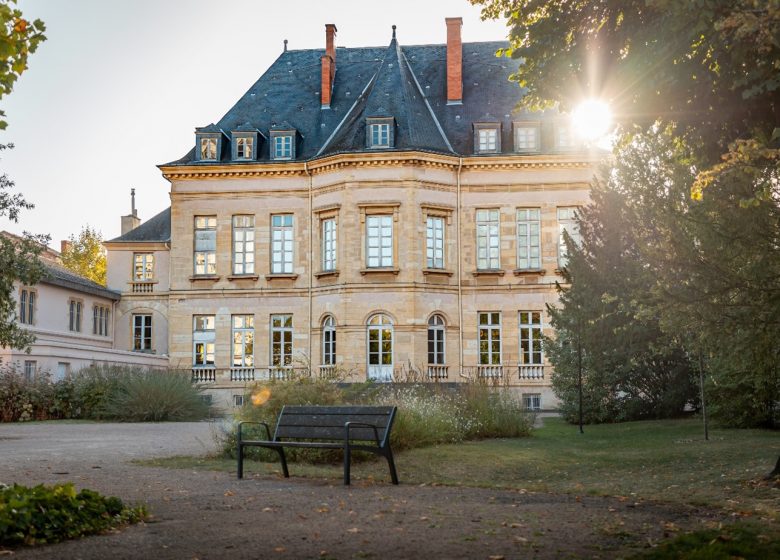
column 100, row 392
column 427, row 414
column 86, row 256
column 740, row 540
column 19, row 38
column 47, row 514
column 156, row 396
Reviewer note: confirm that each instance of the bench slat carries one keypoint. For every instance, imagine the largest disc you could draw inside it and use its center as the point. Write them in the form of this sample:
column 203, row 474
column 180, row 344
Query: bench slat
column 331, row 420
column 301, row 409
column 326, row 432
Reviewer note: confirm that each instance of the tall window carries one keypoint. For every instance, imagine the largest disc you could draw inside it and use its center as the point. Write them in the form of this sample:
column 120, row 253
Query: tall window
column 243, row 244
column 100, row 320
column 329, row 341
column 244, row 148
column 488, row 140
column 329, row 244
column 532, row 401
column 380, row 347
column 283, row 147
column 436, row 340
column 243, row 341
column 488, row 240
column 380, row 135
column 282, row 244
column 530, row 325
column 379, row 241
column 489, row 338
column 208, row 148
column 567, row 221
column 203, row 340
column 281, row 340
column 528, row 245
column 27, row 307
column 74, row 316
column 143, row 267
column 142, row 333
column 30, row 368
column 205, row 245
column 434, row 242
column 526, row 138
column 563, row 136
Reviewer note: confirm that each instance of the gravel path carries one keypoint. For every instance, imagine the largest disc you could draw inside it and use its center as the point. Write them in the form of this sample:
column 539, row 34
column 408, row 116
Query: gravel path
column 208, row 515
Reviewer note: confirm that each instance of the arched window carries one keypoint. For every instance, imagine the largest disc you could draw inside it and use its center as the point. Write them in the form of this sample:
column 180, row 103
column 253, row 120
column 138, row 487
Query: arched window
column 329, row 341
column 436, row 340
column 380, row 347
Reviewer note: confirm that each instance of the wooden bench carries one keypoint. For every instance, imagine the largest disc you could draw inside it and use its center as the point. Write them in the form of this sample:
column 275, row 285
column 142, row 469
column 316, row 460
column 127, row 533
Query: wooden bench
column 327, row 427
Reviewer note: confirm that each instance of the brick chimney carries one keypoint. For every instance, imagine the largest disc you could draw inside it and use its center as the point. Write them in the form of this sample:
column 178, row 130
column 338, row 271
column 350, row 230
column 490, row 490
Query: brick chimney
column 64, row 245
column 131, row 221
column 454, row 61
column 328, row 65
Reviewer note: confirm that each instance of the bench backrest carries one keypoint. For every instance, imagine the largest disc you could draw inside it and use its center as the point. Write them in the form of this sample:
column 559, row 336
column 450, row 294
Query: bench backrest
column 327, row 422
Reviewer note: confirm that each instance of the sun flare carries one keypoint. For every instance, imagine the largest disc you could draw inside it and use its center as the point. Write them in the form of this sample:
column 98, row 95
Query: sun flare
column 591, row 119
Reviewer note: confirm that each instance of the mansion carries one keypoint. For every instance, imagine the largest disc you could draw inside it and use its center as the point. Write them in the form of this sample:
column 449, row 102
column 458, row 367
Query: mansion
column 378, row 213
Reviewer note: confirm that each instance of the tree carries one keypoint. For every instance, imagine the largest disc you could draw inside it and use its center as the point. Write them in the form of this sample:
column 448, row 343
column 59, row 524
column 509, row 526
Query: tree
column 19, row 38
column 86, row 256
column 18, row 256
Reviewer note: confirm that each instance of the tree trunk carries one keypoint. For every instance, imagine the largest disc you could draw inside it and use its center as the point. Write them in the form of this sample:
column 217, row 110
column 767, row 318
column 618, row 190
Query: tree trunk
column 776, row 472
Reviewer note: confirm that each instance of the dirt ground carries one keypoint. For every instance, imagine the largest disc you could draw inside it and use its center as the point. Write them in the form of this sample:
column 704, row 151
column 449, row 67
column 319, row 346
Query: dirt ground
column 208, row 515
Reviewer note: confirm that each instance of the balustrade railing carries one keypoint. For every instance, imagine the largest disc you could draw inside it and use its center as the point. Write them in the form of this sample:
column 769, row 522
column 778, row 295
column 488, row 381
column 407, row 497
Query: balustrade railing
column 437, row 371
column 204, row 375
column 242, row 374
column 530, row 371
column 141, row 287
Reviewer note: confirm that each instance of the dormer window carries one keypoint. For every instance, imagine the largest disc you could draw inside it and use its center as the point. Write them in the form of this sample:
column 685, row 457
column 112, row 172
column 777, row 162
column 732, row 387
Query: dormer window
column 283, row 147
column 526, row 137
column 487, row 138
column 244, row 148
column 208, row 149
column 380, row 132
column 564, row 141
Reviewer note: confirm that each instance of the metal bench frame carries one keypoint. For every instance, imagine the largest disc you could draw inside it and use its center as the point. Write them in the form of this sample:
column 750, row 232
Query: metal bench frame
column 323, row 429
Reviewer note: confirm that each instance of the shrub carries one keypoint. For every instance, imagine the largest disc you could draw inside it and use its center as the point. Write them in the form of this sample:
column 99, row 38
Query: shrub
column 155, row 396
column 48, row 514
column 427, row 414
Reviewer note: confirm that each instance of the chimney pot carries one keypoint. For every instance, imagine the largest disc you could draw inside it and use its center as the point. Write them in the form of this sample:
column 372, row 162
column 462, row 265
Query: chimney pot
column 328, row 70
column 454, row 61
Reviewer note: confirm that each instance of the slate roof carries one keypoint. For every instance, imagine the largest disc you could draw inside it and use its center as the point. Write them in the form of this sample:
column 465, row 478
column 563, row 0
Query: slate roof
column 407, row 82
column 58, row 275
column 155, row 229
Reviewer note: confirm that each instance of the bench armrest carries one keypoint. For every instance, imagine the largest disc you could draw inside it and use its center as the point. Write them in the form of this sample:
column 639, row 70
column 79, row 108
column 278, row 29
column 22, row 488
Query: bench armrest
column 267, row 429
column 349, row 425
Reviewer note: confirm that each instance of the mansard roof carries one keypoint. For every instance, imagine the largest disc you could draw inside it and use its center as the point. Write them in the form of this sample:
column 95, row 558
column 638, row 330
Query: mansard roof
column 408, row 83
column 156, row 229
column 58, row 275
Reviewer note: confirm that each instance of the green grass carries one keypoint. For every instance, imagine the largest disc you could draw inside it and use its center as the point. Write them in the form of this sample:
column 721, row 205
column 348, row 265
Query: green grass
column 666, row 461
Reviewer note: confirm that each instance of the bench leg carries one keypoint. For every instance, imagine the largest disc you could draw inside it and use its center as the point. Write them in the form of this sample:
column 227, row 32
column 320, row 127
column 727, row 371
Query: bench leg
column 391, row 464
column 283, row 459
column 347, row 457
column 240, row 469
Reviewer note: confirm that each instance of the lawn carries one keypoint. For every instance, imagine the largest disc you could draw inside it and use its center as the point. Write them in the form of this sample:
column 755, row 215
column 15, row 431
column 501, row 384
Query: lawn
column 665, row 461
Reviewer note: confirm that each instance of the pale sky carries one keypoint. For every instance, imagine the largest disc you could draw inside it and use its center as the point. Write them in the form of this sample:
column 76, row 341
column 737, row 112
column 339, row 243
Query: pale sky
column 120, row 85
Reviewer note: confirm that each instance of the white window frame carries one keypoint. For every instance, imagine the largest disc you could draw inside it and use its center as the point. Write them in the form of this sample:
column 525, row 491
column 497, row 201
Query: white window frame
column 244, row 147
column 30, row 369
column 487, row 140
column 242, row 337
column 204, row 340
column 238, row 401
column 435, row 231
column 282, row 243
column 329, row 233
column 492, row 329
column 243, row 245
column 329, row 341
column 530, row 327
column 208, row 149
column 488, row 229
column 567, row 221
column 380, row 329
column 143, row 267
column 281, row 325
column 379, row 243
column 437, row 340
column 532, row 401
column 529, row 238
column 380, row 135
column 564, row 136
column 75, row 312
column 283, row 146
column 142, row 332
column 527, row 138
column 205, row 246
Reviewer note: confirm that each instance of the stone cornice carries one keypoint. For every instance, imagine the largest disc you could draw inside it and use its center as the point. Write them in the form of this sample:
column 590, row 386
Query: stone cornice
column 379, row 159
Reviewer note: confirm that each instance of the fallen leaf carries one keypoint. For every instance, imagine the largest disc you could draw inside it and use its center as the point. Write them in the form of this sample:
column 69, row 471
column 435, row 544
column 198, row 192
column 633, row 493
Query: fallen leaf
column 229, row 493
column 353, row 530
